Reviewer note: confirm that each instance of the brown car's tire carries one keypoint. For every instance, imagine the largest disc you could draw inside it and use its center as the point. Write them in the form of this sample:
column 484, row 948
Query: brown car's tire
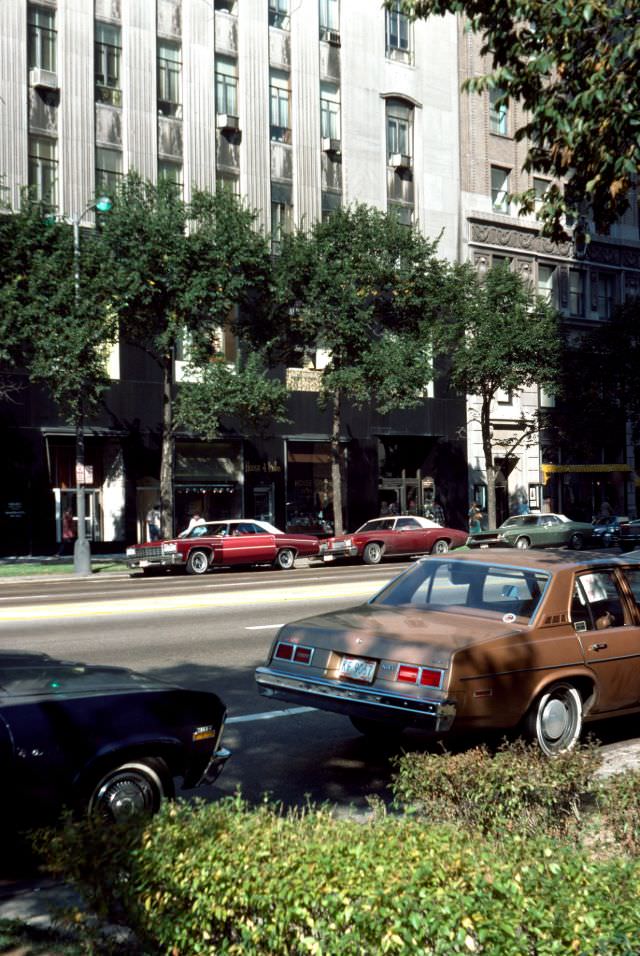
column 554, row 721
column 131, row 789
column 440, row 547
column 285, row 559
column 372, row 553
column 198, row 562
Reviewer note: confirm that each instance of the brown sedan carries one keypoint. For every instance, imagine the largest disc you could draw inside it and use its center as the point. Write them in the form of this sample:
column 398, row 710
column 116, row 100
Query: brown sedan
column 537, row 641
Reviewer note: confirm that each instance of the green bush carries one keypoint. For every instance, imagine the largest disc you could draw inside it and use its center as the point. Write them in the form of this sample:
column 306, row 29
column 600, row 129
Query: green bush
column 619, row 806
column 227, row 879
column 516, row 790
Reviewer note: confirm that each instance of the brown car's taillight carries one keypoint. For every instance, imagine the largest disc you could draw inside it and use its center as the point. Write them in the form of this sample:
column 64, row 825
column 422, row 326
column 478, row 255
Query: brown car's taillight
column 425, row 676
column 293, row 652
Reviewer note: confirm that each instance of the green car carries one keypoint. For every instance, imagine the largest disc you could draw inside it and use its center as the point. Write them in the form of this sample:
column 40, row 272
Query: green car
column 535, row 531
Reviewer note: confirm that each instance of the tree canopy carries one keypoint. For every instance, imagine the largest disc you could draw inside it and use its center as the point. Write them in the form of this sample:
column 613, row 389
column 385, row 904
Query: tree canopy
column 573, row 65
column 500, row 337
column 355, row 286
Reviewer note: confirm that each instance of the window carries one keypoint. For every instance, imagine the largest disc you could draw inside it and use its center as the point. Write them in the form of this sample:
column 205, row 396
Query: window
column 108, row 50
column 498, row 112
column 399, row 128
column 43, row 171
column 228, row 6
column 41, row 38
column 170, row 172
column 329, row 111
column 402, row 212
column 108, row 170
column 546, row 282
column 279, row 106
column 397, row 31
column 576, row 292
column 281, row 217
column 499, row 189
column 606, row 294
column 169, row 66
column 279, row 14
column 504, row 396
column 329, row 16
column 226, row 86
column 540, row 187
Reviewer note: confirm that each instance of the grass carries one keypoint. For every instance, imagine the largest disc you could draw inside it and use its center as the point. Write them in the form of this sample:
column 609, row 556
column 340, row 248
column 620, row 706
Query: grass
column 17, row 569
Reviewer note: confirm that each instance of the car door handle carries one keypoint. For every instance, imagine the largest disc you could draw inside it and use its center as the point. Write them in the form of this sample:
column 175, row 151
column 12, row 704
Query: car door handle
column 598, row 647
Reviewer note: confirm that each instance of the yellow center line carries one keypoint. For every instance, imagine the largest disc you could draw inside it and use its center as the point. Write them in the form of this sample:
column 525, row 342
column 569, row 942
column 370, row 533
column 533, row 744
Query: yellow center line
column 178, row 602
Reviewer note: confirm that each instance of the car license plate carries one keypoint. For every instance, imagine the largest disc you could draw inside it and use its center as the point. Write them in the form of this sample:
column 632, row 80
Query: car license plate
column 356, row 668
column 144, row 563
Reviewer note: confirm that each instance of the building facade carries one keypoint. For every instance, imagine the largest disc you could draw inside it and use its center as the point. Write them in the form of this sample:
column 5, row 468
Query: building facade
column 585, row 284
column 298, row 107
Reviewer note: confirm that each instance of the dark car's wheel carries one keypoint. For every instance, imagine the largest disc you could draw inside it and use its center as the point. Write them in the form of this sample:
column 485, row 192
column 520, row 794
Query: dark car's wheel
column 285, row 559
column 554, row 721
column 372, row 553
column 198, row 562
column 440, row 547
column 576, row 541
column 523, row 543
column 378, row 729
column 131, row 789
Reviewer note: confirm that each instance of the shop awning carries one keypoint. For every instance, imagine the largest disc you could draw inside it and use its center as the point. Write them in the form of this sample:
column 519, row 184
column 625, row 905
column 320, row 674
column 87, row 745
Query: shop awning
column 584, row 469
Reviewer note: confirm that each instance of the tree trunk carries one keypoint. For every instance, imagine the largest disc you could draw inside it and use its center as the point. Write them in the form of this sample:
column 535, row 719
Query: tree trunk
column 336, row 463
column 487, row 447
column 166, row 456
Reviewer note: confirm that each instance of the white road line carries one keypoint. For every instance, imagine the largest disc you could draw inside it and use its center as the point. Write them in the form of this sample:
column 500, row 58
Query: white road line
column 358, row 590
column 262, row 627
column 270, row 714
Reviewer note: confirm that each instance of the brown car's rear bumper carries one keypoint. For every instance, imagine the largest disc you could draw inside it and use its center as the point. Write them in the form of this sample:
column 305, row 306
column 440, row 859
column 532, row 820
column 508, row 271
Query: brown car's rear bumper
column 437, row 716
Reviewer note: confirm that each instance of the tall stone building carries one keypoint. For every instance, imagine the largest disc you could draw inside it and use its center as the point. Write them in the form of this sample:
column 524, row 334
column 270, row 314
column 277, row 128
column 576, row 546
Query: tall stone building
column 299, row 106
column 584, row 284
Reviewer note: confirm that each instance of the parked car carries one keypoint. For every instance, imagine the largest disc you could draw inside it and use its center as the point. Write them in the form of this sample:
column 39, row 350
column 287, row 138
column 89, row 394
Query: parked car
column 223, row 544
column 102, row 740
column 475, row 640
column 629, row 536
column 535, row 531
column 606, row 531
column 392, row 537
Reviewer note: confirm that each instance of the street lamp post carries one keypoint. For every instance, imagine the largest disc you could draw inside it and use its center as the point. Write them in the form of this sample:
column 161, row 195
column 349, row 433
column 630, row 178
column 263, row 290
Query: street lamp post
column 82, row 547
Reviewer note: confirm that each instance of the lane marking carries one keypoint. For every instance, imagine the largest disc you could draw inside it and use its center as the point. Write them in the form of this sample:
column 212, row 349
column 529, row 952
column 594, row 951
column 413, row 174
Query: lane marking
column 269, row 715
column 177, row 602
column 262, row 627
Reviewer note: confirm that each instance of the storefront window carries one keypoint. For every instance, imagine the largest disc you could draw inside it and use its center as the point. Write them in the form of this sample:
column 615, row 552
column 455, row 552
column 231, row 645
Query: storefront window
column 209, row 480
column 309, row 489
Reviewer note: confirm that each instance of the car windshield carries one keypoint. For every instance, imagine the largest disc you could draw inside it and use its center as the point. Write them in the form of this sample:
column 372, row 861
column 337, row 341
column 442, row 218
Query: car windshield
column 454, row 585
column 519, row 520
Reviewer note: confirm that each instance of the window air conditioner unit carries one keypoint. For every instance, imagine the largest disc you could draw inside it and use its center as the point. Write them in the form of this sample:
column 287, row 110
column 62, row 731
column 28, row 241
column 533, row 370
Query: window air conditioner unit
column 400, row 160
column 331, row 145
column 333, row 37
column 227, row 121
column 43, row 79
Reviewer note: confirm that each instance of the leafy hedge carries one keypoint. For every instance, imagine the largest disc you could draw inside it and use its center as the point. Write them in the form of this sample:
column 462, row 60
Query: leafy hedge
column 226, row 878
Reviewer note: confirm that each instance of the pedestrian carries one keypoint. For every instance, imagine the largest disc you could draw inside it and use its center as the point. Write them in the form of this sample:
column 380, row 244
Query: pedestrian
column 606, row 511
column 153, row 523
column 475, row 518
column 437, row 513
column 68, row 532
column 196, row 519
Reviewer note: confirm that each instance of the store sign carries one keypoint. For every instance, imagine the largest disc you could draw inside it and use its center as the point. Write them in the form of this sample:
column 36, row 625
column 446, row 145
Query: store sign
column 14, row 509
column 84, row 474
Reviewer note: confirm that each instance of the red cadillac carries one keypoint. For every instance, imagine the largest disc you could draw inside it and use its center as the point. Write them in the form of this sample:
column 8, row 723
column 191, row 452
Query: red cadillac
column 392, row 537
column 223, row 544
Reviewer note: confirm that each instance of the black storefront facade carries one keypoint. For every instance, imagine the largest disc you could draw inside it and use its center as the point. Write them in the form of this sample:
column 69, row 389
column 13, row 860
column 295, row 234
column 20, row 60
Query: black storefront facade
column 282, row 475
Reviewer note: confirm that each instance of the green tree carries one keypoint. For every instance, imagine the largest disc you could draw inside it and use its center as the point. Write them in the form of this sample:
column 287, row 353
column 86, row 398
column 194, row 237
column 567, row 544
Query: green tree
column 499, row 337
column 355, row 286
column 175, row 272
column 54, row 321
column 573, row 65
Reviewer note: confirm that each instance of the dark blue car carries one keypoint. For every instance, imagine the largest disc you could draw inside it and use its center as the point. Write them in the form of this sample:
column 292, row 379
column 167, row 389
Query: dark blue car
column 606, row 531
column 102, row 740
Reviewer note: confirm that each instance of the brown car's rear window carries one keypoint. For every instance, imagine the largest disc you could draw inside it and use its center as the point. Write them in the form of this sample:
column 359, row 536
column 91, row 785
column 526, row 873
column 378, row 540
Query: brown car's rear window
column 463, row 584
